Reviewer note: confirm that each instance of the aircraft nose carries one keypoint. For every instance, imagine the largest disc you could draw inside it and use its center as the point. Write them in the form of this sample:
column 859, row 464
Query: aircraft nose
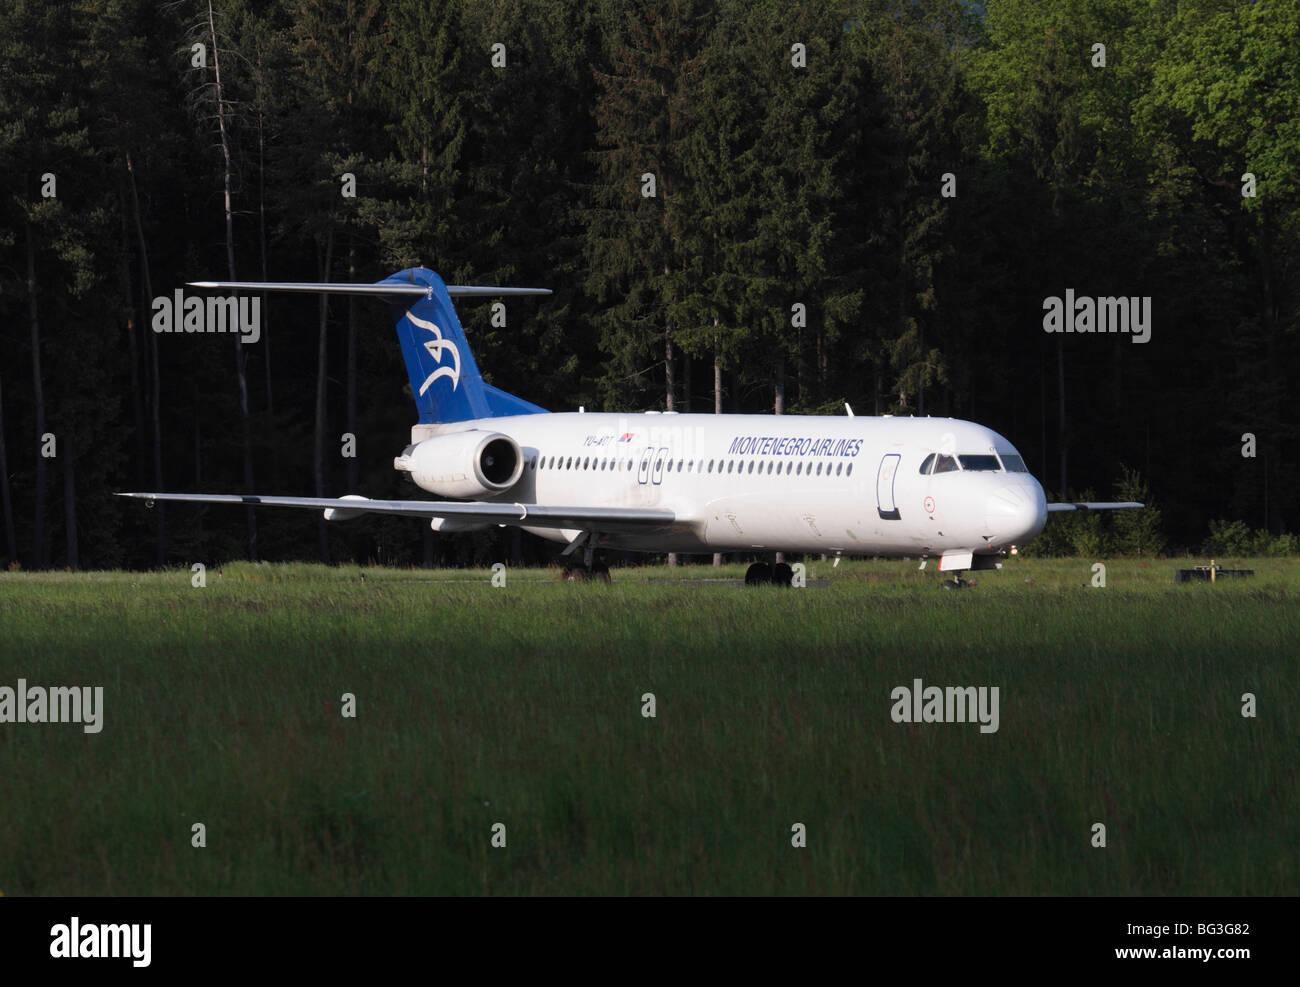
column 1015, row 513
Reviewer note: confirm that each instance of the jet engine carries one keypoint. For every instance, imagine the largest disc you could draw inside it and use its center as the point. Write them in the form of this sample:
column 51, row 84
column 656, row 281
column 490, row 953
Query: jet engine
column 464, row 465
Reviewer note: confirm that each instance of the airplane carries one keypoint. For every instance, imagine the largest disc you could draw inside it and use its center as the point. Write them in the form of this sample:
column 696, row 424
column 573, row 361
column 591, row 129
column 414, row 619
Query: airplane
column 666, row 482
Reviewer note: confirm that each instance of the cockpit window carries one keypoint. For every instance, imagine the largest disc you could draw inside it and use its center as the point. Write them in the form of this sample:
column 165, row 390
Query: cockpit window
column 945, row 464
column 927, row 465
column 1013, row 463
column 980, row 464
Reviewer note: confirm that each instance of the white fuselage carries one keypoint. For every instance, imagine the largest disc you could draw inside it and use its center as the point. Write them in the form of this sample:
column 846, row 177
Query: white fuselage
column 791, row 483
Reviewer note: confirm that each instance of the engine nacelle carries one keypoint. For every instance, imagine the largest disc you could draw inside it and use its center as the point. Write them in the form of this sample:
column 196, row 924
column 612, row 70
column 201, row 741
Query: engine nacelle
column 464, row 465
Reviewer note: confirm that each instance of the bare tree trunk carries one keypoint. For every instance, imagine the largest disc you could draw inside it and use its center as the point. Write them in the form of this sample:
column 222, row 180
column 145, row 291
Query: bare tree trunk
column 6, row 496
column 322, row 355
column 686, row 383
column 717, row 399
column 241, row 358
column 778, row 406
column 353, row 463
column 38, row 397
column 670, row 373
column 1042, row 418
column 670, row 386
column 128, row 308
column 146, row 285
column 1060, row 425
column 266, row 321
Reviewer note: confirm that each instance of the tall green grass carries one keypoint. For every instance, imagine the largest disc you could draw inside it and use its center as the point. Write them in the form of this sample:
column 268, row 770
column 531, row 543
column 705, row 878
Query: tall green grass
column 522, row 705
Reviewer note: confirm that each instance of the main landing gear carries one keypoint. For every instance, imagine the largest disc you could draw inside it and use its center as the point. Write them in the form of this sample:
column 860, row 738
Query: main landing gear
column 592, row 568
column 597, row 572
column 956, row 582
column 763, row 574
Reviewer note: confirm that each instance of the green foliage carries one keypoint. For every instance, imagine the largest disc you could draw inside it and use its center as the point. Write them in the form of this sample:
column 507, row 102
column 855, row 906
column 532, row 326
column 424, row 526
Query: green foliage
column 1129, row 533
column 1236, row 539
column 1137, row 532
column 778, row 185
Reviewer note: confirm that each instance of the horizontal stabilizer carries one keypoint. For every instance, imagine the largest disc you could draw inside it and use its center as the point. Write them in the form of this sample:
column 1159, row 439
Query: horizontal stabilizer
column 1095, row 505
column 446, row 384
column 605, row 519
column 381, row 289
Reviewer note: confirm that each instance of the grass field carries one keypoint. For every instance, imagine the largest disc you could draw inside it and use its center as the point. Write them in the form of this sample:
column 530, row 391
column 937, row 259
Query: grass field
column 522, row 705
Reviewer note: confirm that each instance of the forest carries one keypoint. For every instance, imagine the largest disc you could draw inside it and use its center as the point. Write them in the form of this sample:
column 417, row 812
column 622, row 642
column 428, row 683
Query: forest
column 740, row 206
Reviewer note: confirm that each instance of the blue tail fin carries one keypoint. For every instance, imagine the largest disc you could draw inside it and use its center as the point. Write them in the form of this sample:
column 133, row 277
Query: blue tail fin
column 445, row 379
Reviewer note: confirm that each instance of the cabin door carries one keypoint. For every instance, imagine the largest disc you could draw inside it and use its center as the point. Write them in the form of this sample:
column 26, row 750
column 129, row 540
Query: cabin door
column 885, row 505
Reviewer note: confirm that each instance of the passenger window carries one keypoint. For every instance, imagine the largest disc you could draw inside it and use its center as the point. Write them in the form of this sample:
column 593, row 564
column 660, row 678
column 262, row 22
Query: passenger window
column 849, row 471
column 710, row 465
column 839, row 467
column 751, row 466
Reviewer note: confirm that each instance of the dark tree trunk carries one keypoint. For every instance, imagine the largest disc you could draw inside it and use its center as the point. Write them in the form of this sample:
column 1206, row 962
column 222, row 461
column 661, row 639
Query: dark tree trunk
column 353, row 463
column 38, row 398
column 717, row 401
column 322, row 366
column 6, row 496
column 146, row 286
column 241, row 358
column 70, row 506
column 1060, row 425
column 128, row 310
column 686, row 383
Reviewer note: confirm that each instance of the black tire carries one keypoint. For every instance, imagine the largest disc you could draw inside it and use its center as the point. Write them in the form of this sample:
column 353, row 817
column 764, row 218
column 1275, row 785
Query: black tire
column 758, row 574
column 782, row 574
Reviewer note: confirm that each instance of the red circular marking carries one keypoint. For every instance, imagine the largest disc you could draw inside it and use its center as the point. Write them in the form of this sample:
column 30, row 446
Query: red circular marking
column 929, row 505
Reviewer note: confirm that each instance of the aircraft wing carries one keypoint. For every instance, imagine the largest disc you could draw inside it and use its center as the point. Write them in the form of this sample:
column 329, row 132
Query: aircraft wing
column 1094, row 505
column 605, row 519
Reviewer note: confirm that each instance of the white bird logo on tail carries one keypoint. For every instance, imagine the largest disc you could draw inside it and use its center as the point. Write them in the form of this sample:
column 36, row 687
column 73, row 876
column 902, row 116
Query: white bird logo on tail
column 436, row 346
